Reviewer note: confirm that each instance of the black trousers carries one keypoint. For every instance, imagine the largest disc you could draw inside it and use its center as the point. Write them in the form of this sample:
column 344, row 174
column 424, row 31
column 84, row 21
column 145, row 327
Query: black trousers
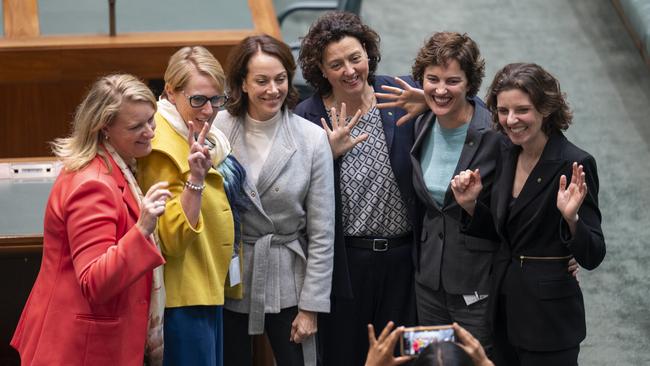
column 505, row 354
column 437, row 307
column 238, row 344
column 382, row 284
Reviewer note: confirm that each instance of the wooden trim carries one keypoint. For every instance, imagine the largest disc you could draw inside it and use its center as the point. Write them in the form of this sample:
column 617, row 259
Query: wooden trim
column 265, row 18
column 21, row 18
column 37, row 159
column 635, row 37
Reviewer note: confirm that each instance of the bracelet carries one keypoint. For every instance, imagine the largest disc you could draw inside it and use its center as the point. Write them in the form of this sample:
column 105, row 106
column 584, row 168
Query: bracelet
column 194, row 187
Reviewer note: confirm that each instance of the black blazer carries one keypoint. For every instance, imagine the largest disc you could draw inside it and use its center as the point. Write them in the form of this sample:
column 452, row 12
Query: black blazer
column 445, row 256
column 544, row 304
column 399, row 141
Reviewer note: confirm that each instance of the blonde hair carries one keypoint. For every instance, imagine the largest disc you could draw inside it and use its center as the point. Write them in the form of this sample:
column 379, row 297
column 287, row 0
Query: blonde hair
column 98, row 110
column 188, row 59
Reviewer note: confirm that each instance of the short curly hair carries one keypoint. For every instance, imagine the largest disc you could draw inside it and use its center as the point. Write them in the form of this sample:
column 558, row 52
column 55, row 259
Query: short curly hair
column 443, row 47
column 542, row 88
column 332, row 27
column 237, row 104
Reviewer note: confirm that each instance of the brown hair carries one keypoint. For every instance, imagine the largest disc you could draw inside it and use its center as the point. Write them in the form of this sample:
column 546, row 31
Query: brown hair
column 237, row 104
column 542, row 88
column 332, row 27
column 443, row 47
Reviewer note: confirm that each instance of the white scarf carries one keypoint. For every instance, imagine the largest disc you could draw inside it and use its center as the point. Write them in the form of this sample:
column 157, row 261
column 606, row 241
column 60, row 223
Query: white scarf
column 221, row 147
column 154, row 345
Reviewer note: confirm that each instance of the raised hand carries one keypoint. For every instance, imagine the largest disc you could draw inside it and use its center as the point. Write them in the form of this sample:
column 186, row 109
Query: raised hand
column 466, row 187
column 407, row 97
column 339, row 135
column 471, row 345
column 570, row 198
column 199, row 158
column 152, row 206
column 304, row 325
column 381, row 349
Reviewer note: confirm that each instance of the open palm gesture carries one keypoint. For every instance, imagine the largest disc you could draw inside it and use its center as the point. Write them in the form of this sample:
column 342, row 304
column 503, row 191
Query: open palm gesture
column 570, row 198
column 407, row 97
column 341, row 141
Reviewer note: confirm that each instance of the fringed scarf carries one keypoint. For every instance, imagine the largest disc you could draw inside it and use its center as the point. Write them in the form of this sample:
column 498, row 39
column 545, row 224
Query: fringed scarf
column 154, row 344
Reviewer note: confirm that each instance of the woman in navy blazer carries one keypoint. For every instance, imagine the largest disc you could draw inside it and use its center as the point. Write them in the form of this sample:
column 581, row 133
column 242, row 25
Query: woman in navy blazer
column 373, row 272
column 544, row 209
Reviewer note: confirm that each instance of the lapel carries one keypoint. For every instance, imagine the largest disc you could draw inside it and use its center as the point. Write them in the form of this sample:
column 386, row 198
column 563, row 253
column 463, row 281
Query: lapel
column 423, row 127
column 120, row 180
column 283, row 148
column 388, row 122
column 503, row 183
column 542, row 174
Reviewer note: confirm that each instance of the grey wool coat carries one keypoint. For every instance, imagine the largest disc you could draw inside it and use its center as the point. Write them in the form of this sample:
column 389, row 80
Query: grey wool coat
column 288, row 231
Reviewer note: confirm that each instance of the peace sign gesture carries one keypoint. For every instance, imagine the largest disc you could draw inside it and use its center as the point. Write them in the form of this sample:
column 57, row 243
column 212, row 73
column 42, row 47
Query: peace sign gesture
column 199, row 158
column 339, row 135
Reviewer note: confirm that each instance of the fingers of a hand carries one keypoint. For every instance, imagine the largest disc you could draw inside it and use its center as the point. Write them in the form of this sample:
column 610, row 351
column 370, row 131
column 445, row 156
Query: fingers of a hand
column 396, row 92
column 335, row 122
column 401, row 359
column 203, row 133
column 159, row 195
column 190, row 136
column 394, row 336
column 355, row 119
column 389, row 96
column 371, row 335
column 343, row 115
column 326, row 127
column 403, row 84
column 359, row 139
column 388, row 105
column 386, row 331
column 562, row 183
column 156, row 187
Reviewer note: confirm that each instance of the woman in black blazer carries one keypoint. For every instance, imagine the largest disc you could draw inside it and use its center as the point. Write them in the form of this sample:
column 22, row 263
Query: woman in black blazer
column 544, row 209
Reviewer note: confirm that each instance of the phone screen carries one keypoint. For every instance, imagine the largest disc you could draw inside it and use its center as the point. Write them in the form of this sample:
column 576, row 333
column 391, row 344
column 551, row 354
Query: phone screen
column 416, row 339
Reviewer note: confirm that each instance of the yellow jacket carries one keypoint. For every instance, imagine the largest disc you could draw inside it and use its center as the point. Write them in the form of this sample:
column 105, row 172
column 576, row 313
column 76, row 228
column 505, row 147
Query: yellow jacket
column 197, row 258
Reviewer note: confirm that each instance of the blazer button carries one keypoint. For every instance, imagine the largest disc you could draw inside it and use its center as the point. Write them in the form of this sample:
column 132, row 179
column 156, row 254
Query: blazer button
column 277, row 189
column 471, row 143
column 390, row 113
column 252, row 193
column 441, row 235
column 539, row 180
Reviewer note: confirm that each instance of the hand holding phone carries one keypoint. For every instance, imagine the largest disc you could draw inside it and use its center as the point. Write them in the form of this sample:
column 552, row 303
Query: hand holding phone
column 416, row 339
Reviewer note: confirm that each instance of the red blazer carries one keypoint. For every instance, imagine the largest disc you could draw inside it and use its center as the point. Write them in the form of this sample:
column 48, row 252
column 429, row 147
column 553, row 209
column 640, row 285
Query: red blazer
column 90, row 302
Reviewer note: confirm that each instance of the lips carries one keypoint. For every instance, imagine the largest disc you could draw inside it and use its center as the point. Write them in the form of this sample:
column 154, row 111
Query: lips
column 442, row 101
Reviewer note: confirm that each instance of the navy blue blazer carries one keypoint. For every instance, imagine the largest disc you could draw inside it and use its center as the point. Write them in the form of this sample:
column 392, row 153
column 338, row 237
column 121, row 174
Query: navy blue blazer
column 544, row 304
column 399, row 141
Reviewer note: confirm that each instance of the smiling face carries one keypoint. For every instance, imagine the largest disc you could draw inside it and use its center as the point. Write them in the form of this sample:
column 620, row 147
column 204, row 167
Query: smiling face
column 345, row 65
column 445, row 91
column 131, row 131
column 198, row 84
column 521, row 121
column 266, row 85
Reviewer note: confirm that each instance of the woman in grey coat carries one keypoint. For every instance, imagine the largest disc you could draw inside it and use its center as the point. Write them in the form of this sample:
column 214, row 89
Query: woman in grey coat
column 288, row 231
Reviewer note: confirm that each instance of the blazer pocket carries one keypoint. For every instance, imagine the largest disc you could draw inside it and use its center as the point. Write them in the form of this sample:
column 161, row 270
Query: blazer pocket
column 557, row 288
column 479, row 245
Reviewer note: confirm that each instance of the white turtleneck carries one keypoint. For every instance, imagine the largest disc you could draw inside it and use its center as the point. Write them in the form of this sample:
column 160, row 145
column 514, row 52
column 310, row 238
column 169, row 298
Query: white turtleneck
column 258, row 139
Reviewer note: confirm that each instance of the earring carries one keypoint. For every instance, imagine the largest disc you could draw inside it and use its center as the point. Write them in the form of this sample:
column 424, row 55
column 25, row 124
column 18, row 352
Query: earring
column 324, row 76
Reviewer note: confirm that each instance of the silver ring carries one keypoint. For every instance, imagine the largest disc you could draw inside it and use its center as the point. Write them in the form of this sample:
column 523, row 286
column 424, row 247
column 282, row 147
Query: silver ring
column 401, row 91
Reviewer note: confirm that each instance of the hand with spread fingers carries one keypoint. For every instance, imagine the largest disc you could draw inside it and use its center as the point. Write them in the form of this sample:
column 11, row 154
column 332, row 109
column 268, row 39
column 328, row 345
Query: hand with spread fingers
column 570, row 198
column 303, row 326
column 380, row 352
column 407, row 97
column 339, row 136
column 466, row 187
column 471, row 345
column 153, row 205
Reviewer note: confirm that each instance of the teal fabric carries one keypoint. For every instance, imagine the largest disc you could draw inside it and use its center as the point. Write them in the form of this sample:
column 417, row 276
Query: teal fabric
column 440, row 154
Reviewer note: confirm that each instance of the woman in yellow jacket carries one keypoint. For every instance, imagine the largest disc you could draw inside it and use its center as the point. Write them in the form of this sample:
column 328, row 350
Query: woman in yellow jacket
column 198, row 228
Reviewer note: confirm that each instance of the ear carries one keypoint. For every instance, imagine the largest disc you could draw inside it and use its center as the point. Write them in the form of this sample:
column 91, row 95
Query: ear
column 322, row 70
column 170, row 94
column 244, row 88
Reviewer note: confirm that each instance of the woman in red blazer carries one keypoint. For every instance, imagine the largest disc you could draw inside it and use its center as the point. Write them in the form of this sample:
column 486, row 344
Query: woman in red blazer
column 90, row 302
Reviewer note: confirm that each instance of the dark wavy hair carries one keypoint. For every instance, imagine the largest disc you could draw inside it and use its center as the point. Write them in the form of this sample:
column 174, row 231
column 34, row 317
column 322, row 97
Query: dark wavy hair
column 443, row 47
column 237, row 104
column 332, row 27
column 542, row 88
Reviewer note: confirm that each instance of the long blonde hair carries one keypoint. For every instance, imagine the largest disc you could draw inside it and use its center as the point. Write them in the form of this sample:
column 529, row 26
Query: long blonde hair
column 98, row 110
column 188, row 59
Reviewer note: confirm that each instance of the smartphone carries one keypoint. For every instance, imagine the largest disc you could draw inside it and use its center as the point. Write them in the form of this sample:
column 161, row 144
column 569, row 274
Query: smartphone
column 416, row 339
